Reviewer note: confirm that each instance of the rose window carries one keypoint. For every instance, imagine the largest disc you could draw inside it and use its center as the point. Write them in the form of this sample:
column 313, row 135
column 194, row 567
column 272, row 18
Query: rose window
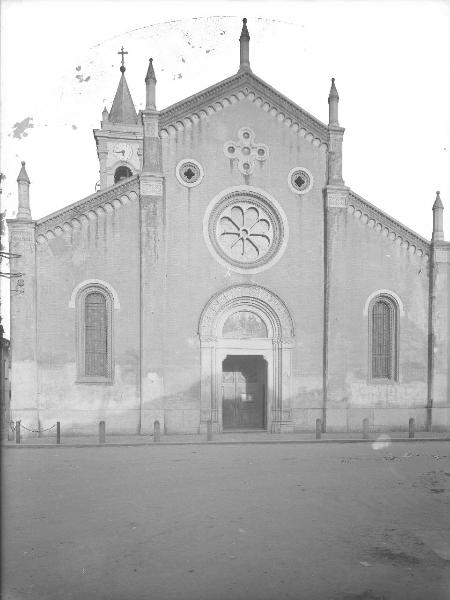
column 245, row 230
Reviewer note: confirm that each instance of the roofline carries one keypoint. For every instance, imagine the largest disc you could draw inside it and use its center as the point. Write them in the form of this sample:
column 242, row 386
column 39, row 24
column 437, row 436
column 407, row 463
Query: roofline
column 384, row 218
column 183, row 108
column 75, row 209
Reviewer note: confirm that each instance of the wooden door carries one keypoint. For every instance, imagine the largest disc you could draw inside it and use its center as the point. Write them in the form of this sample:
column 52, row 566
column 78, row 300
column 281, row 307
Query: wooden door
column 243, row 385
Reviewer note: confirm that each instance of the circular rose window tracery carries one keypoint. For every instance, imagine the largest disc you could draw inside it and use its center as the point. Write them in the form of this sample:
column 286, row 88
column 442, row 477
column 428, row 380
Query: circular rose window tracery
column 245, row 232
column 245, row 229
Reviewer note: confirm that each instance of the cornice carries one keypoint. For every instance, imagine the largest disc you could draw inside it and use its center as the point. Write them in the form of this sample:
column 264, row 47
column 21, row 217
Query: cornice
column 87, row 209
column 379, row 221
column 242, row 86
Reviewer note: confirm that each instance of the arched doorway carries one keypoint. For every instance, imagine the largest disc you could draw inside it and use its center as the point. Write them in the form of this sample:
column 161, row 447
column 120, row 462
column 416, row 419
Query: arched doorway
column 246, row 339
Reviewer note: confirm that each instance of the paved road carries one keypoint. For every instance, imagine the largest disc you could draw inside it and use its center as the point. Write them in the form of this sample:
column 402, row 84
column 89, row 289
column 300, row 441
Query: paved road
column 253, row 522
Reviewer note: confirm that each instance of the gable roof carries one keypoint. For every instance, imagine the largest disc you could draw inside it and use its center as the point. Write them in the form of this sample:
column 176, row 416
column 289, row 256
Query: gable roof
column 244, row 84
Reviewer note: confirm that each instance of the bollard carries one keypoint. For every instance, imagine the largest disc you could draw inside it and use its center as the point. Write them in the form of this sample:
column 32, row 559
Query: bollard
column 366, row 429
column 318, row 429
column 156, row 431
column 58, row 432
column 102, row 432
column 209, row 430
column 412, row 426
column 17, row 432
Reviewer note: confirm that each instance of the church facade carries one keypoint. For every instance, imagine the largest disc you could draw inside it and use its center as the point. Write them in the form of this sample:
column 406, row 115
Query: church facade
column 225, row 272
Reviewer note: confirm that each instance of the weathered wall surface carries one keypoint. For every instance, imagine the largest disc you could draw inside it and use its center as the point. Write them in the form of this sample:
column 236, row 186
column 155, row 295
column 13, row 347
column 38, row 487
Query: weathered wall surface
column 105, row 247
column 363, row 259
column 194, row 275
column 152, row 252
column 440, row 392
column 23, row 322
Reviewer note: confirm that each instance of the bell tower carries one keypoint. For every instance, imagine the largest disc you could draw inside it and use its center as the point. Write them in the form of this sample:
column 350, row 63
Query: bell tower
column 119, row 139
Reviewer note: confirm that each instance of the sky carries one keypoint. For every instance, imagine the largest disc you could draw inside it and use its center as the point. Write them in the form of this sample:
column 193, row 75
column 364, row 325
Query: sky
column 59, row 67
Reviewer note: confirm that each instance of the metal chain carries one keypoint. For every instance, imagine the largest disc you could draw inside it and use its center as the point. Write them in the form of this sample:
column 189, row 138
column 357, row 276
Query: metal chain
column 11, row 424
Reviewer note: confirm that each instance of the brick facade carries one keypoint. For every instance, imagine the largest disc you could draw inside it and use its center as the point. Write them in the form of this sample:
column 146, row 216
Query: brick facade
column 145, row 240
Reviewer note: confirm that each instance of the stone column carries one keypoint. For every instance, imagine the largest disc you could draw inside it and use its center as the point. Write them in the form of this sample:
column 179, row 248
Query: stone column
column 23, row 315
column 335, row 205
column 152, row 263
column 438, row 401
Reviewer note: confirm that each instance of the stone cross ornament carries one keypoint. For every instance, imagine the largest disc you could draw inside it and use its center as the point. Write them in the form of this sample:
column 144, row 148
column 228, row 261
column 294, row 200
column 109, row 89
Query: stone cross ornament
column 246, row 151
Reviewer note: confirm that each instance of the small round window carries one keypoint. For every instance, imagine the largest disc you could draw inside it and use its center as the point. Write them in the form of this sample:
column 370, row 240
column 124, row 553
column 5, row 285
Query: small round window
column 189, row 172
column 300, row 180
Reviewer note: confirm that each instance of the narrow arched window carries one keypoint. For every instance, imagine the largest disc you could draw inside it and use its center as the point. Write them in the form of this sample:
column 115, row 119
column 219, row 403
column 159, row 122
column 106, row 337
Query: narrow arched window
column 122, row 173
column 383, row 339
column 94, row 337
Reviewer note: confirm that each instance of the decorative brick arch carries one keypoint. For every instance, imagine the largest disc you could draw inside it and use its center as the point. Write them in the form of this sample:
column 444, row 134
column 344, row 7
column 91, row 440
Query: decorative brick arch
column 276, row 350
column 246, row 296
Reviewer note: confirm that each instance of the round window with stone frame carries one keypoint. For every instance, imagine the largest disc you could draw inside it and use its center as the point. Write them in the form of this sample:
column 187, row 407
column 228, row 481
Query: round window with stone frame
column 300, row 180
column 245, row 230
column 189, row 172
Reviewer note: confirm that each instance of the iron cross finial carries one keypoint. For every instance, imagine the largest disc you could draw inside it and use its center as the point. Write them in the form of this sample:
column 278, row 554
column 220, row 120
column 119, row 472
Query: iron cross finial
column 122, row 52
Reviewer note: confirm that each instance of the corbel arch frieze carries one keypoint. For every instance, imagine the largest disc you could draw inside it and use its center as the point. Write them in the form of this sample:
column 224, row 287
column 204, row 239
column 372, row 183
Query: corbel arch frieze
column 298, row 125
column 387, row 227
column 80, row 215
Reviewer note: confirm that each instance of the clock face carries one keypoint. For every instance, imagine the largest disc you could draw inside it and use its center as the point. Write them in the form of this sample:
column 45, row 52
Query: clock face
column 123, row 151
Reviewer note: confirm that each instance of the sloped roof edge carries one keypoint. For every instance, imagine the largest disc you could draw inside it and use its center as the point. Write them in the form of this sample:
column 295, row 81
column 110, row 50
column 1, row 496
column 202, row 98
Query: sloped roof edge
column 394, row 227
column 184, row 108
column 83, row 206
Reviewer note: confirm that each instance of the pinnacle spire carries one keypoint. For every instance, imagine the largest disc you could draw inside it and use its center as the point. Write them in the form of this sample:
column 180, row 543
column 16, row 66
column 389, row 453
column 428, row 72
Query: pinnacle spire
column 333, row 91
column 23, row 175
column 333, row 105
column 122, row 109
column 438, row 201
column 150, row 72
column 244, row 47
column 438, row 220
column 150, row 87
column 244, row 33
column 23, row 181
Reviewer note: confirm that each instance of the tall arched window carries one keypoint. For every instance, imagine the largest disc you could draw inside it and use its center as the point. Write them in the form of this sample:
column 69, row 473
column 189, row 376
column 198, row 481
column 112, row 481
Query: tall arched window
column 383, row 339
column 94, row 334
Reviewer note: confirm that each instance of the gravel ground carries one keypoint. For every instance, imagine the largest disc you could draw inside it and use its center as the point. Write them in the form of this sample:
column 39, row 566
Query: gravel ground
column 217, row 522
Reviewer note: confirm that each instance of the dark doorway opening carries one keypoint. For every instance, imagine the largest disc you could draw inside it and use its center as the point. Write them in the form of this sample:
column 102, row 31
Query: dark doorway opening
column 244, row 380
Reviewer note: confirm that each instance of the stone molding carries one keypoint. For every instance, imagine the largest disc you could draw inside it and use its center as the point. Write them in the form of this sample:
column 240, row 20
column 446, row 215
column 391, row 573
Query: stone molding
column 247, row 295
column 379, row 221
column 336, row 196
column 272, row 208
column 150, row 186
column 83, row 211
column 384, row 292
column 243, row 86
column 98, row 283
column 442, row 254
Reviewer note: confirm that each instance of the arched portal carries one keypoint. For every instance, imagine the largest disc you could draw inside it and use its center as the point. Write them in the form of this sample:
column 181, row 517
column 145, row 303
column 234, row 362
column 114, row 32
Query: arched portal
column 243, row 330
